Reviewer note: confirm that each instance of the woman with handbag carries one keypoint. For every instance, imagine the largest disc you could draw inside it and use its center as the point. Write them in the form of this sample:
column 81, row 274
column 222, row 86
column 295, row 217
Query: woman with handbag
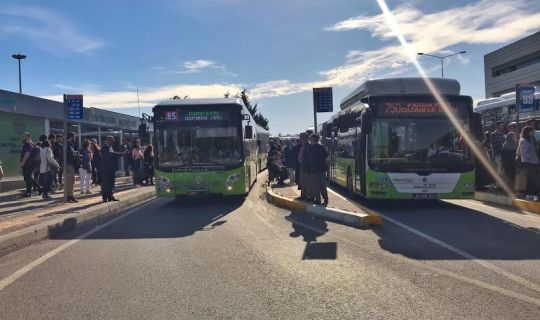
column 47, row 162
column 529, row 165
column 85, row 171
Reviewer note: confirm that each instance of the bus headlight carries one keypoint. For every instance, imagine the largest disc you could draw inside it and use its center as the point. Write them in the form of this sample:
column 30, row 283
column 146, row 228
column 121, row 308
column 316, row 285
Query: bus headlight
column 231, row 180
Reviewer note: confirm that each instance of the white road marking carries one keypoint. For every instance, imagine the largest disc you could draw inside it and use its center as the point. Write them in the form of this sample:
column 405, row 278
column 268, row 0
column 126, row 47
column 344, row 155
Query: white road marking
column 462, row 253
column 337, row 194
column 32, row 265
column 450, row 274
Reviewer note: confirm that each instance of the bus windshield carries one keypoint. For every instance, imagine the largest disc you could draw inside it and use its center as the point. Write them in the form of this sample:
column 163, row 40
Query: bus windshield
column 186, row 146
column 418, row 145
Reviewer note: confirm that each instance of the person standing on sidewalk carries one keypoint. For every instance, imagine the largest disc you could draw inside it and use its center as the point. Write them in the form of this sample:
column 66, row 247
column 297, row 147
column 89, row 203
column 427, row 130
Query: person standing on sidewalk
column 149, row 165
column 96, row 163
column 29, row 161
column 109, row 159
column 497, row 140
column 46, row 168
column 316, row 167
column 85, row 171
column 71, row 166
column 300, row 170
column 290, row 153
column 54, row 170
column 58, row 153
column 126, row 150
column 529, row 165
column 508, row 157
column 137, row 158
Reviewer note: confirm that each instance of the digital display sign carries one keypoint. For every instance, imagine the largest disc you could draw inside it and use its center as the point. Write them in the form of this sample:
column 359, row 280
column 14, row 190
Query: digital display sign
column 171, row 115
column 213, row 115
column 419, row 108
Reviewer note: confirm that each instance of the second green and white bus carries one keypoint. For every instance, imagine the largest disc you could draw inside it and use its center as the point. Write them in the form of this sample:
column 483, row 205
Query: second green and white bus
column 392, row 140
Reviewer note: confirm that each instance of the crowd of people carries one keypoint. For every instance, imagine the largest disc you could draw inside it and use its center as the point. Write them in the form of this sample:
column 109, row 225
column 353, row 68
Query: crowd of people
column 44, row 171
column 305, row 163
column 515, row 156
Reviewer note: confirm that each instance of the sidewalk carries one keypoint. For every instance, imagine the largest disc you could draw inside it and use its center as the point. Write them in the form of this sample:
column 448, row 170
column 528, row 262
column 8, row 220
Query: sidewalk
column 504, row 200
column 339, row 208
column 32, row 219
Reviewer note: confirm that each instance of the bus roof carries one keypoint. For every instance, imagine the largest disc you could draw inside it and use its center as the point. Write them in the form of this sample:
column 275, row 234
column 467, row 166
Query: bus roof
column 399, row 86
column 195, row 102
column 503, row 100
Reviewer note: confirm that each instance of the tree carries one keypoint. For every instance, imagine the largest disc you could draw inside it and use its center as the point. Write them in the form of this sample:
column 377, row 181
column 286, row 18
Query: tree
column 257, row 116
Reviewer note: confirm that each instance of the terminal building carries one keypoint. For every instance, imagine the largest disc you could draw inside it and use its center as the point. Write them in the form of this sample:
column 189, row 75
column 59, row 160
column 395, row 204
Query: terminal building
column 516, row 63
column 21, row 113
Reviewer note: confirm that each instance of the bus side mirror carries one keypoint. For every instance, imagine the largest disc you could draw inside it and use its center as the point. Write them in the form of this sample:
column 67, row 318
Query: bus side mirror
column 476, row 126
column 248, row 134
column 366, row 121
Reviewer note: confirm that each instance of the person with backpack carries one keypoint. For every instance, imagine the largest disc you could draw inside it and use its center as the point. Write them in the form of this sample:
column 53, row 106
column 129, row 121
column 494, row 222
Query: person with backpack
column 46, row 168
column 30, row 159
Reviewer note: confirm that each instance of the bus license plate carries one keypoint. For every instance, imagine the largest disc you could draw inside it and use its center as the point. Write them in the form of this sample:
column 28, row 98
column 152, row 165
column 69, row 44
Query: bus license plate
column 425, row 196
column 198, row 193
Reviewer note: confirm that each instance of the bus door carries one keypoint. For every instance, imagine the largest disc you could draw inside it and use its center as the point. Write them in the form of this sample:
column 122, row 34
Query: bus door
column 360, row 162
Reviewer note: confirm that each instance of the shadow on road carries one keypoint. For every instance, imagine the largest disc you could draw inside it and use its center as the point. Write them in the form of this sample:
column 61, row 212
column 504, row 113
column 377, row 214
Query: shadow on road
column 475, row 232
column 164, row 218
column 311, row 228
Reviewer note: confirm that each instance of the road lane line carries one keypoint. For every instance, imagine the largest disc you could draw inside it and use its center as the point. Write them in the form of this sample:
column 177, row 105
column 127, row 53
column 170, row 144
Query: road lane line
column 462, row 253
column 450, row 274
column 337, row 194
column 32, row 265
column 466, row 255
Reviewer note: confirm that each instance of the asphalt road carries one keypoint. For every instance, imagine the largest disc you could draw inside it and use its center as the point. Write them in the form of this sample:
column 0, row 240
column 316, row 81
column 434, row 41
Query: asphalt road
column 250, row 260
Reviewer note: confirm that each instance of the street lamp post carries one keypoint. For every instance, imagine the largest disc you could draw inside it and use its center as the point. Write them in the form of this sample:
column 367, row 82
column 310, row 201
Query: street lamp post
column 19, row 57
column 441, row 58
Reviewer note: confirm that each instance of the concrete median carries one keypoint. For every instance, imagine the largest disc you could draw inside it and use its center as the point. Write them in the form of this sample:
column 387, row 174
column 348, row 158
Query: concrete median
column 20, row 238
column 355, row 219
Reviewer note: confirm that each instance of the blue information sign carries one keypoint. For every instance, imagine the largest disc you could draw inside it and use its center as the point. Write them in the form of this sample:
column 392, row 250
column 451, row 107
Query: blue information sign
column 322, row 99
column 74, row 106
column 525, row 97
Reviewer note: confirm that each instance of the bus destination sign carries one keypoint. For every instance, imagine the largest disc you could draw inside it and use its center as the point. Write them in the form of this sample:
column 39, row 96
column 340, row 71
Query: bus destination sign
column 415, row 109
column 202, row 115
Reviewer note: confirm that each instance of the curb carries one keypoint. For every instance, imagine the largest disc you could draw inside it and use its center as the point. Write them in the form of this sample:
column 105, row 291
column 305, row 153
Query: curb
column 47, row 229
column 493, row 198
column 355, row 219
column 528, row 206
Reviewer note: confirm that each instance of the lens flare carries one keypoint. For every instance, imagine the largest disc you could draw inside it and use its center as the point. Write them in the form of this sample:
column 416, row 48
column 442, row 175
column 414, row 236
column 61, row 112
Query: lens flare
column 411, row 54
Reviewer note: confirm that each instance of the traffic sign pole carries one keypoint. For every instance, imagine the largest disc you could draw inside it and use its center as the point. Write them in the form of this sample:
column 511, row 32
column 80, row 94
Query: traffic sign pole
column 73, row 110
column 315, row 117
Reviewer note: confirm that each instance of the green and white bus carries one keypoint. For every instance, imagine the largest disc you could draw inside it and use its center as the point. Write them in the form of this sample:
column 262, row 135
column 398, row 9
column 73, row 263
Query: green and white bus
column 392, row 140
column 206, row 147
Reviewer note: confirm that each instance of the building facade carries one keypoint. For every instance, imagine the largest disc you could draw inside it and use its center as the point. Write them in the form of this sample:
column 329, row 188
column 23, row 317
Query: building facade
column 518, row 62
column 21, row 113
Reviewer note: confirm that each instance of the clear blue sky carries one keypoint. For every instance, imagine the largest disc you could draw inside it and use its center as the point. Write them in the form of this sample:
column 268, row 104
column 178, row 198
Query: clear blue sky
column 278, row 50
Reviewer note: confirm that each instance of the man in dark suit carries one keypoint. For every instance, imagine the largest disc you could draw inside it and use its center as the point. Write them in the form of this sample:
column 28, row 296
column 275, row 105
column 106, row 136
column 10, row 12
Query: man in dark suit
column 109, row 159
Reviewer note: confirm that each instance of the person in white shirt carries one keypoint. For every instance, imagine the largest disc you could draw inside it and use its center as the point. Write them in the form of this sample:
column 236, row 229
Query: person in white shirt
column 45, row 168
